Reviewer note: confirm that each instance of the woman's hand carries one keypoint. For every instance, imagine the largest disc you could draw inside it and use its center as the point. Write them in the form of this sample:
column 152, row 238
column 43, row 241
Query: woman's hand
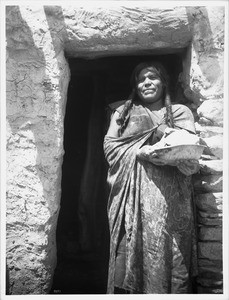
column 147, row 153
column 188, row 167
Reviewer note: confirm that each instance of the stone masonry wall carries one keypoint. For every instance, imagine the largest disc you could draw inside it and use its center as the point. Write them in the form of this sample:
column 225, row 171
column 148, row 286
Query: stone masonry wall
column 37, row 80
column 206, row 92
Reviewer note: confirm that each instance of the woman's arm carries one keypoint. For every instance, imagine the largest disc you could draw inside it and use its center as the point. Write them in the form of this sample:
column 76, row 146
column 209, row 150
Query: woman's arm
column 172, row 137
column 114, row 128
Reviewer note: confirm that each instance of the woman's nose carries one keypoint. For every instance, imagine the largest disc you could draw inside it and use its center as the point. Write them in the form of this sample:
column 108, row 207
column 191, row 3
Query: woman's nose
column 147, row 81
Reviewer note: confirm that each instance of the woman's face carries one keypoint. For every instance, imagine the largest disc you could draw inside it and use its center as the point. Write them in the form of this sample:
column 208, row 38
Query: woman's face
column 149, row 86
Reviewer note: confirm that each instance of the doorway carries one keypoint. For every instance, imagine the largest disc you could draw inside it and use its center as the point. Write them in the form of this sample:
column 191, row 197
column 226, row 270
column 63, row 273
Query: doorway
column 82, row 230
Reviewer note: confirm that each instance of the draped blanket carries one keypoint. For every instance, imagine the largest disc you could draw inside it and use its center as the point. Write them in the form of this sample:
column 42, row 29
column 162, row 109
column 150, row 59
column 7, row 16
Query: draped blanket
column 155, row 204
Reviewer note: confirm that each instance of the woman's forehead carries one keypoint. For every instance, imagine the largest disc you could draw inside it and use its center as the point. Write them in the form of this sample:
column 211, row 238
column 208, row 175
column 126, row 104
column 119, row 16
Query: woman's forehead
column 148, row 71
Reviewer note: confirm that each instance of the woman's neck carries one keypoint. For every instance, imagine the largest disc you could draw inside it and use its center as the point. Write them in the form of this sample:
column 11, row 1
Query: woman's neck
column 154, row 106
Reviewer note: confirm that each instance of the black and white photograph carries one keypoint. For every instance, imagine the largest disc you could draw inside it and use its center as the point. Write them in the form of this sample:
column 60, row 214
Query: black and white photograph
column 114, row 149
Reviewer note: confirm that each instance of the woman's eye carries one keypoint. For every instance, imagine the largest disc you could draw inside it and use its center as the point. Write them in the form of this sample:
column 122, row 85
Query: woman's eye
column 152, row 77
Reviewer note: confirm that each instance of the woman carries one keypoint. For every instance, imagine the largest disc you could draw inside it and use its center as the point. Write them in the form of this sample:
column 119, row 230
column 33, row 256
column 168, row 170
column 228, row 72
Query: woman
column 150, row 210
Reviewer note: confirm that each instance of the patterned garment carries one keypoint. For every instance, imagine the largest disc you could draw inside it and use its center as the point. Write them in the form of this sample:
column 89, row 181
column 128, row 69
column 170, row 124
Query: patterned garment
column 154, row 205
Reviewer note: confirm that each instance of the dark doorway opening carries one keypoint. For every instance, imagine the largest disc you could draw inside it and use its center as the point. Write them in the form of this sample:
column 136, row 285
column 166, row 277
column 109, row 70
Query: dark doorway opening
column 82, row 231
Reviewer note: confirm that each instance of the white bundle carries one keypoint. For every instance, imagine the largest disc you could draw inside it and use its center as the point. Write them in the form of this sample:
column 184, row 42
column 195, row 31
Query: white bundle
column 174, row 145
column 174, row 137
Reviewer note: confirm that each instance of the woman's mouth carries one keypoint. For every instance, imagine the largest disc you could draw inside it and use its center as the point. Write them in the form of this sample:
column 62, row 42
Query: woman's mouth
column 149, row 91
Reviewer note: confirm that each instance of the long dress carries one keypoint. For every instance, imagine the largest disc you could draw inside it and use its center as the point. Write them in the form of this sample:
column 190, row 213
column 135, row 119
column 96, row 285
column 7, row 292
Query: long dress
column 153, row 206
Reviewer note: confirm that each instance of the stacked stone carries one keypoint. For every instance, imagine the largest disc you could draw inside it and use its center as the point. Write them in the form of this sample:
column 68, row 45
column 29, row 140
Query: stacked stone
column 208, row 197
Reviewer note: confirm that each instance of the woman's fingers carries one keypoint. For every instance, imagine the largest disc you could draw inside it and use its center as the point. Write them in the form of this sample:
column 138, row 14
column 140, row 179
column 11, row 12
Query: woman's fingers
column 184, row 170
column 189, row 162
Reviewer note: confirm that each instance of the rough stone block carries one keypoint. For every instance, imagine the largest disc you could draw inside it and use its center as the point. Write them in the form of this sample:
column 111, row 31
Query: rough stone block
column 210, row 250
column 211, row 166
column 209, row 219
column 214, row 145
column 208, row 131
column 210, row 234
column 210, row 282
column 211, row 265
column 209, row 290
column 214, row 270
column 209, row 202
column 206, row 77
column 208, row 183
column 211, row 112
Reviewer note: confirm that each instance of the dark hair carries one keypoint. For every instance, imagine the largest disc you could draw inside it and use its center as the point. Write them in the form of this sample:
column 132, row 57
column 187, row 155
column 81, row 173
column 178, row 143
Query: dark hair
column 159, row 69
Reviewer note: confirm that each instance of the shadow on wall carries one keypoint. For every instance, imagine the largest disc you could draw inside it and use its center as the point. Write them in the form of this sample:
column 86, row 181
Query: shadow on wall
column 35, row 154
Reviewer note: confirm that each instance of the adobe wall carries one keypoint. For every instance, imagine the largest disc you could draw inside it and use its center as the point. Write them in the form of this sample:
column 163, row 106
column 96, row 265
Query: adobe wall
column 37, row 82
